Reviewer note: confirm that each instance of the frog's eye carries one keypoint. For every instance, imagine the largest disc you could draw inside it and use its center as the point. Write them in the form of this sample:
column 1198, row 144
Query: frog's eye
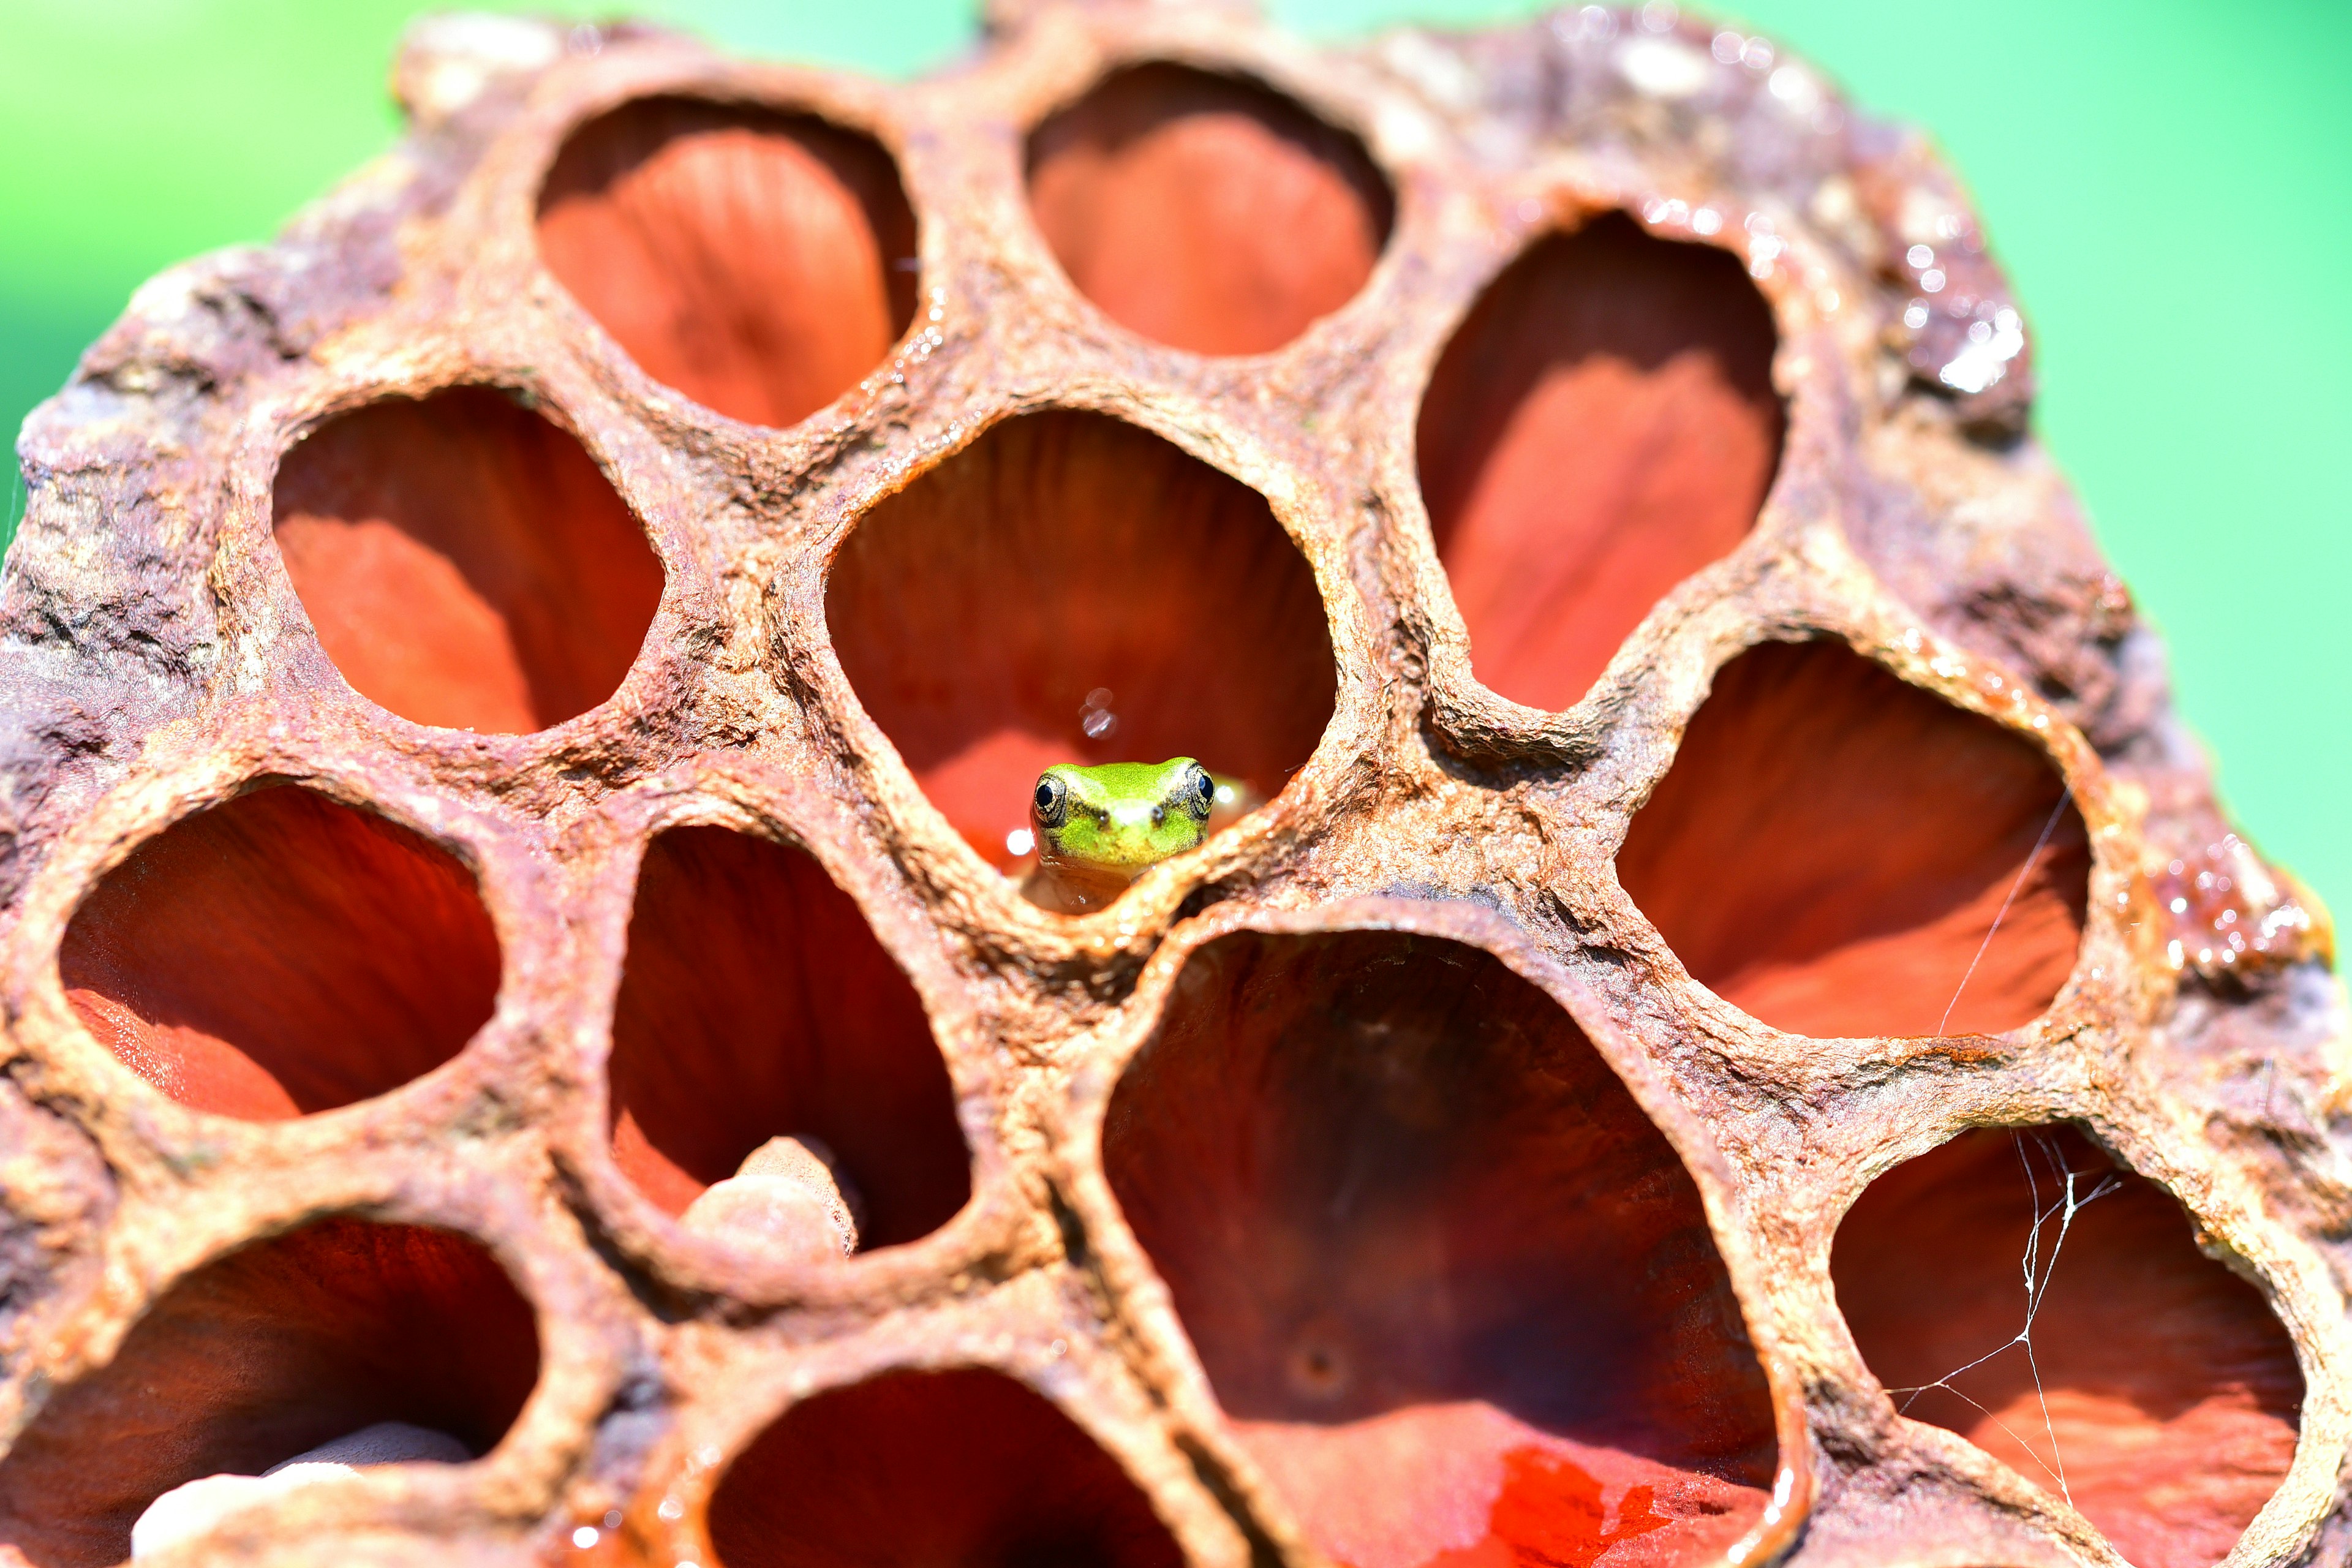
column 1200, row 792
column 1052, row 800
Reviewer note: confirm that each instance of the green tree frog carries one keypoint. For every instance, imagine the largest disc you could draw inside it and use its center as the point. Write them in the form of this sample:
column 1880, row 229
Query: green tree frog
column 1097, row 829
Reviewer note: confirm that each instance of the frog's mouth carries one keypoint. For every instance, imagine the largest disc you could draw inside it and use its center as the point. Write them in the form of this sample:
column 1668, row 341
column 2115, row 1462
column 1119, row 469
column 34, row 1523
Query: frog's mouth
column 1077, row 887
column 1122, row 852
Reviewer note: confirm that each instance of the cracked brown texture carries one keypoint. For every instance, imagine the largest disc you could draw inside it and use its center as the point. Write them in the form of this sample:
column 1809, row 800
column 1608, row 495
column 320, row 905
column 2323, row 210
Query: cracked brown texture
column 1595, row 952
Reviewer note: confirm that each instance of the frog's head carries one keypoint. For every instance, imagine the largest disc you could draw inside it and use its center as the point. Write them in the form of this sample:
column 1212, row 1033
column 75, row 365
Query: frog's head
column 1114, row 819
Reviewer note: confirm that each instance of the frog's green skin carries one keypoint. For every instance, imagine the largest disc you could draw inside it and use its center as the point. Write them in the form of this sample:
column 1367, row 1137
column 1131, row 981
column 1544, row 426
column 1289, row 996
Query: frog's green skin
column 1109, row 822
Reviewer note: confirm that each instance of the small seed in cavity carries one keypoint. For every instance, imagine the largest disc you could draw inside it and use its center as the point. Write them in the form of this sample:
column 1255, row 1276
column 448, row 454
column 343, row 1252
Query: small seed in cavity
column 1319, row 1369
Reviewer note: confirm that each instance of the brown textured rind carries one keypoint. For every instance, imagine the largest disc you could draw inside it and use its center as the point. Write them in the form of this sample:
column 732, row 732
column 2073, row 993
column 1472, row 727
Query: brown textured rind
column 159, row 661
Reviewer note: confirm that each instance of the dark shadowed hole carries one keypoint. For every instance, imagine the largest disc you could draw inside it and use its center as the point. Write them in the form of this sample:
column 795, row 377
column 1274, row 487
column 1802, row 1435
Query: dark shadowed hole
column 756, row 1004
column 282, row 954
column 465, row 562
column 1453, row 1289
column 264, row 1355
column 1066, row 556
column 2167, row 1393
column 1832, row 846
column 966, row 1467
column 1206, row 212
column 760, row 263
column 1601, row 427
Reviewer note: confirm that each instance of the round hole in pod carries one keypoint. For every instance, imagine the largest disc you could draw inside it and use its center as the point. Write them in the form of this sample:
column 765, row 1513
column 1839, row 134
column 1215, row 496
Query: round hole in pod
column 282, row 954
column 964, row 1467
column 757, row 262
column 1207, row 212
column 757, row 1003
column 2019, row 1287
column 272, row 1351
column 1071, row 589
column 1842, row 854
column 1454, row 1290
column 1601, row 426
column 465, row 562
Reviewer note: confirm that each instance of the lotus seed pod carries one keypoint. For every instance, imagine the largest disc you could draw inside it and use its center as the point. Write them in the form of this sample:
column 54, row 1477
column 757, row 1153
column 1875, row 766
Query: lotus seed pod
column 1726, row 1023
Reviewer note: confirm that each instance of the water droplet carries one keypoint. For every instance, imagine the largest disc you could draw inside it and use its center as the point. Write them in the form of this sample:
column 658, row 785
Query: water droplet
column 1932, row 280
column 586, row 1536
column 1920, row 256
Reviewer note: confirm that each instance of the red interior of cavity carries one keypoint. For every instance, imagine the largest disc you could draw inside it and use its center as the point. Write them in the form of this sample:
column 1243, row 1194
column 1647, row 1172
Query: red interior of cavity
column 1601, row 425
column 465, row 562
column 1455, row 1290
column 1206, row 212
column 760, row 263
column 964, row 1467
column 263, row 1355
column 757, row 1003
column 2171, row 1391
column 1832, row 846
column 1063, row 555
column 282, row 954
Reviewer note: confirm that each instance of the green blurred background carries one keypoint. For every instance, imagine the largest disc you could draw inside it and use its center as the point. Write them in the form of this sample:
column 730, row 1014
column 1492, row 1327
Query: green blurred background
column 2170, row 183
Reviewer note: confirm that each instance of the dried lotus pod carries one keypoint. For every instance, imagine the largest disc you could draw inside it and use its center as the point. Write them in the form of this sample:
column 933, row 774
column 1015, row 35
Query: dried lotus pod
column 1738, row 1034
